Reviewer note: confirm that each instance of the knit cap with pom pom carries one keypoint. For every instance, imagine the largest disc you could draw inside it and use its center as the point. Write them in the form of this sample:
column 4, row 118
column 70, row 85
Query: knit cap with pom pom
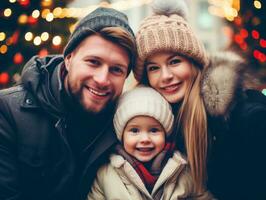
column 168, row 30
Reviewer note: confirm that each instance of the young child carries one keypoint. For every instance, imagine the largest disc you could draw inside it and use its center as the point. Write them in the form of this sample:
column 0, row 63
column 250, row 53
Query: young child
column 141, row 168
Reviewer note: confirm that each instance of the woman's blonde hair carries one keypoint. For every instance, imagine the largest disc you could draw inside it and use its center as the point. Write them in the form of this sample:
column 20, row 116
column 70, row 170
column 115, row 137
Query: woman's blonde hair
column 192, row 122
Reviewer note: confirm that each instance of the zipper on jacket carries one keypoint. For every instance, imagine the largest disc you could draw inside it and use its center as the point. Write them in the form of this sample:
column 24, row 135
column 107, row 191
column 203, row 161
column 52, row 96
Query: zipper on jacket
column 61, row 127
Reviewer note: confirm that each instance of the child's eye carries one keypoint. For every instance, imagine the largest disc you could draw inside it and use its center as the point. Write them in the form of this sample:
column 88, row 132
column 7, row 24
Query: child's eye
column 154, row 130
column 134, row 130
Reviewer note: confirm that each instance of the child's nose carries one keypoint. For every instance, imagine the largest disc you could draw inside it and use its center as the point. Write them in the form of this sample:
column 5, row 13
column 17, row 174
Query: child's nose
column 144, row 137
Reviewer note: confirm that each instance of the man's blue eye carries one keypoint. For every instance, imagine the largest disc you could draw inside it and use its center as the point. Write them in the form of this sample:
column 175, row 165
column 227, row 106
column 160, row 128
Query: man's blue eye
column 118, row 70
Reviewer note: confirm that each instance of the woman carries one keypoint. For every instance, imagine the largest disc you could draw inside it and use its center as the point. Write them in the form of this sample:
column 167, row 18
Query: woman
column 173, row 61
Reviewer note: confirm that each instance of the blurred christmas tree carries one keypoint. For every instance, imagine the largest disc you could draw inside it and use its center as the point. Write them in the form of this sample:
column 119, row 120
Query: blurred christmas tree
column 249, row 34
column 30, row 27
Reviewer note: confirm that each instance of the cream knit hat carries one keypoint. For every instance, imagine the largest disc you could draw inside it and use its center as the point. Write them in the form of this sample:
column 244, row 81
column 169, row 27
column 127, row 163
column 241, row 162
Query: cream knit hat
column 142, row 101
column 167, row 30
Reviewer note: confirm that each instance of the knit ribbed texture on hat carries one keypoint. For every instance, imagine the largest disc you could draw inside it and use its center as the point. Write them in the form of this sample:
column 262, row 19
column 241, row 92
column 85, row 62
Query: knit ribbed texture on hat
column 95, row 21
column 167, row 33
column 142, row 101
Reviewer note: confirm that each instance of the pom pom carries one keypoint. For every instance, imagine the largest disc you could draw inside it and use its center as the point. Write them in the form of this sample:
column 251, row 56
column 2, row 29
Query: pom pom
column 169, row 7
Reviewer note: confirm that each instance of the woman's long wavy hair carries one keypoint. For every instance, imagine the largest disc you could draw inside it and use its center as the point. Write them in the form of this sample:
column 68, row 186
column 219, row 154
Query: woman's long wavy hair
column 191, row 121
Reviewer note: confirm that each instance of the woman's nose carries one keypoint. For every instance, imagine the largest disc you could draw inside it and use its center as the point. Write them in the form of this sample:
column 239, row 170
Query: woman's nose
column 166, row 73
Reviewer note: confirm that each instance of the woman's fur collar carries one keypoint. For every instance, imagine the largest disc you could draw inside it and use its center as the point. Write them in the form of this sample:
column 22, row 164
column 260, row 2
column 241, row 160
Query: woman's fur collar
column 221, row 80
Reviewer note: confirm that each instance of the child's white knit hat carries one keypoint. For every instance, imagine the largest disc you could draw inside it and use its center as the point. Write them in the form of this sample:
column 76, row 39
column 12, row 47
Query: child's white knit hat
column 142, row 101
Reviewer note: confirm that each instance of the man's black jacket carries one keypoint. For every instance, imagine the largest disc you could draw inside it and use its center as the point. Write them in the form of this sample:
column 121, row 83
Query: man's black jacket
column 36, row 159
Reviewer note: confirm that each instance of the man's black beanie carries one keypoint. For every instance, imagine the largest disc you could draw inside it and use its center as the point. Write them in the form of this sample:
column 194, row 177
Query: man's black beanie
column 96, row 20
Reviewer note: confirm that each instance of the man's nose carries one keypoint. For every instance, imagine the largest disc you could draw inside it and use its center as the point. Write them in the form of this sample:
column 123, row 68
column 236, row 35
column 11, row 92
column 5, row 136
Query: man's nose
column 102, row 76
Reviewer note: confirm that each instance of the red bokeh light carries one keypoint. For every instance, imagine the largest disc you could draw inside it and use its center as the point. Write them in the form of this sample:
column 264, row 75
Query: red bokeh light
column 255, row 34
column 32, row 20
column 4, row 78
column 263, row 43
column 18, row 58
column 43, row 53
column 24, row 3
column 238, row 39
column 244, row 33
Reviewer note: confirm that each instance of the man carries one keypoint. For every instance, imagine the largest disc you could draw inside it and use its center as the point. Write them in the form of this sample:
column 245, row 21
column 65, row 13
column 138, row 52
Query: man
column 55, row 126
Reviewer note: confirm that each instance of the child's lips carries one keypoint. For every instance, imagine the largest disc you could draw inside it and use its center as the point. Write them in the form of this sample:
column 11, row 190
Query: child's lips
column 145, row 149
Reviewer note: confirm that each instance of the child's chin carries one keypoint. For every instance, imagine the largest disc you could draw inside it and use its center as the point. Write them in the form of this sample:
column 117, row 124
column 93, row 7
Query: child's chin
column 145, row 160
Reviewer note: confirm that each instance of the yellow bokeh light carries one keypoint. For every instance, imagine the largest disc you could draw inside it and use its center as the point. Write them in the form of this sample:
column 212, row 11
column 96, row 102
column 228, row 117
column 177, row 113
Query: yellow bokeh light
column 236, row 4
column 12, row 1
column 37, row 41
column 71, row 12
column 46, row 3
column 230, row 13
column 36, row 14
column 28, row 36
column 45, row 12
column 234, row 12
column 57, row 40
column 45, row 36
column 67, row 12
column 64, row 13
column 2, row 36
column 57, row 11
column 7, row 12
column 23, row 19
column 230, row 18
column 49, row 17
column 72, row 27
column 257, row 4
column 3, row 49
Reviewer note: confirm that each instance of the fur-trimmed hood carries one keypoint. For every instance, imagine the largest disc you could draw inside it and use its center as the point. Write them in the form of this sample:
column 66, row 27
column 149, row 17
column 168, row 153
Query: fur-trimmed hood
column 221, row 82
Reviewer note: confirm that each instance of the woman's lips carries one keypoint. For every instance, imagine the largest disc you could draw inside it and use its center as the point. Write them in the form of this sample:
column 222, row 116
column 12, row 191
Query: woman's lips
column 172, row 88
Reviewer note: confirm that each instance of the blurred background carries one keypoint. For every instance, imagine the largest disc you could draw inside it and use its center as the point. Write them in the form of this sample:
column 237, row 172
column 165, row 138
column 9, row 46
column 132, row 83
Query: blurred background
column 41, row 27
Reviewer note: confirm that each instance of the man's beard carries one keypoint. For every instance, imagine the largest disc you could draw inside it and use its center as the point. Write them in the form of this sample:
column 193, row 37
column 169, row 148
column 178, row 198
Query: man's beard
column 77, row 104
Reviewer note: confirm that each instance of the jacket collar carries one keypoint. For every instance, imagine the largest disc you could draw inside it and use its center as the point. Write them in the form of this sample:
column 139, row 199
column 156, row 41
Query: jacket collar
column 222, row 79
column 174, row 165
column 41, row 78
